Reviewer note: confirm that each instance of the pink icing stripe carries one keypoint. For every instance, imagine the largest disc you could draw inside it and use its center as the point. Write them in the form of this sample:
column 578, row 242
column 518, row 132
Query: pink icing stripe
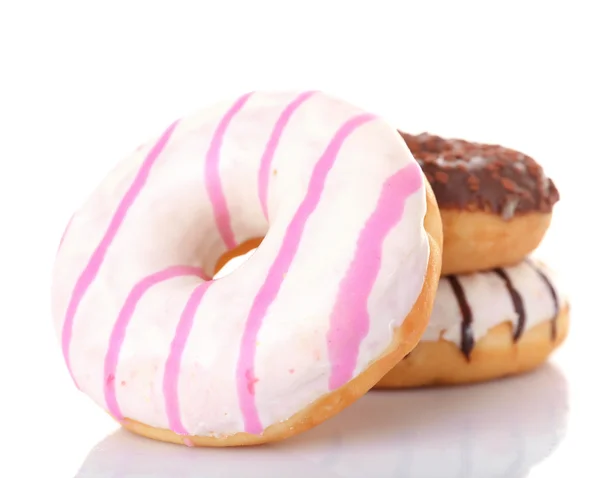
column 267, row 157
column 173, row 363
column 349, row 322
column 213, row 177
column 62, row 238
column 266, row 295
column 117, row 336
column 91, row 269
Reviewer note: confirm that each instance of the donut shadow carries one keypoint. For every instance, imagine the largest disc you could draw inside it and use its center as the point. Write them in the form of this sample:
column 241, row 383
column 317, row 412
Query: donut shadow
column 501, row 428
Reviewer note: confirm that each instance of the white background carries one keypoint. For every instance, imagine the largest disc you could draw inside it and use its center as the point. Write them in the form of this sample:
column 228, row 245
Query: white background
column 83, row 83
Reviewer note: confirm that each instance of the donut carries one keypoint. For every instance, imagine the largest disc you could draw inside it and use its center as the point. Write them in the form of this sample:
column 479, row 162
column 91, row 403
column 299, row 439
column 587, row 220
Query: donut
column 486, row 325
column 338, row 291
column 496, row 203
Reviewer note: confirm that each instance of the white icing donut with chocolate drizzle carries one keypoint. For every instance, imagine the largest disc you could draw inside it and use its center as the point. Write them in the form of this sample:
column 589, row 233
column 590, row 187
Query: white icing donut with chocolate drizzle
column 467, row 306
column 150, row 336
column 486, row 325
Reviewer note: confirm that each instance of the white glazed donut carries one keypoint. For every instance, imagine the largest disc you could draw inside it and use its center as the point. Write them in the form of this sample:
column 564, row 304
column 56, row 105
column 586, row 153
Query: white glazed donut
column 338, row 291
column 498, row 322
column 523, row 295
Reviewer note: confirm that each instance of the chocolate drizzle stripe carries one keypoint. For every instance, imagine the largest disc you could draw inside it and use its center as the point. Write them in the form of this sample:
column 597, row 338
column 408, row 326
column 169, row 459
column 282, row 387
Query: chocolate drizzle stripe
column 552, row 290
column 517, row 301
column 467, row 342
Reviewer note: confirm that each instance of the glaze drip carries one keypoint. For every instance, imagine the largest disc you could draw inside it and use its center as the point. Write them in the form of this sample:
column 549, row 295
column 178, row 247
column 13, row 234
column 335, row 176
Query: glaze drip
column 278, row 270
column 350, row 320
column 467, row 342
column 267, row 157
column 554, row 295
column 96, row 260
column 517, row 301
column 212, row 172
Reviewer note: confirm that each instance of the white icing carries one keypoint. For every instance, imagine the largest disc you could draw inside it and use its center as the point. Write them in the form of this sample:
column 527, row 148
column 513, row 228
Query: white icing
column 172, row 222
column 490, row 301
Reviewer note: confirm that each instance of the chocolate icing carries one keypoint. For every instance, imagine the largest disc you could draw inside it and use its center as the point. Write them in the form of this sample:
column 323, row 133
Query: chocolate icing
column 552, row 291
column 517, row 301
column 483, row 177
column 467, row 342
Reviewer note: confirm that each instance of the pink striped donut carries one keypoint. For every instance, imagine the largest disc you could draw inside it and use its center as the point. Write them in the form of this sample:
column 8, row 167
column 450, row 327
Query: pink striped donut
column 337, row 293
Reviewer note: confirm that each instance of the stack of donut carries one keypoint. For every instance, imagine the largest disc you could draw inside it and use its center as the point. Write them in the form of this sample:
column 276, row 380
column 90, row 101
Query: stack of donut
column 497, row 311
column 346, row 236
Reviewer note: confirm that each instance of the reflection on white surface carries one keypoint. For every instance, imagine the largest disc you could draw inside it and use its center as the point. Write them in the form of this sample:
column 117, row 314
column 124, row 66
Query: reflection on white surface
column 497, row 430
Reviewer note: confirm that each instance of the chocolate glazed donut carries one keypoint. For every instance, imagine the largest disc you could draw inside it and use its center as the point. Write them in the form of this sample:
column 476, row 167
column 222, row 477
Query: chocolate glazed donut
column 496, row 203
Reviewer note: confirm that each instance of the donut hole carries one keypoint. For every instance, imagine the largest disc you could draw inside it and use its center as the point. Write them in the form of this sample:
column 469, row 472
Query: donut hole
column 235, row 257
